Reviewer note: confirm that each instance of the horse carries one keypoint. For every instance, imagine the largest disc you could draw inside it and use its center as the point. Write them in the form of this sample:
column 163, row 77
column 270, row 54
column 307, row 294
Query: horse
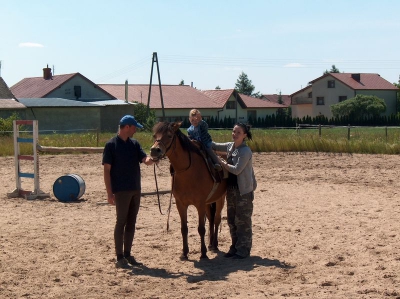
column 192, row 183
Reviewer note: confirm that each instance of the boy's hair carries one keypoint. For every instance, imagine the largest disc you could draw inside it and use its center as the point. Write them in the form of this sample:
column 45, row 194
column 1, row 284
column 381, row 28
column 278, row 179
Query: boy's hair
column 194, row 112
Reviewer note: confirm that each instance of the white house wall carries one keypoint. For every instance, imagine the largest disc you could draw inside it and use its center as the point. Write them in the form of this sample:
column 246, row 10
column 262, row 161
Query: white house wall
column 330, row 95
column 88, row 90
column 302, row 110
column 302, row 104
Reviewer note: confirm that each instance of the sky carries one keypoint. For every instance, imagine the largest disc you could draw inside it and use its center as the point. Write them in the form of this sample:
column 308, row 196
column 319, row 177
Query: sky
column 280, row 45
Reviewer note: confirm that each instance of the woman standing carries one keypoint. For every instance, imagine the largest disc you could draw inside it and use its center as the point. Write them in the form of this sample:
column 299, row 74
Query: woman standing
column 240, row 193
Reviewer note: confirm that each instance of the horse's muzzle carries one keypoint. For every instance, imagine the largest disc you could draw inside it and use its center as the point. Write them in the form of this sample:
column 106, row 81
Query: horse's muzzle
column 156, row 153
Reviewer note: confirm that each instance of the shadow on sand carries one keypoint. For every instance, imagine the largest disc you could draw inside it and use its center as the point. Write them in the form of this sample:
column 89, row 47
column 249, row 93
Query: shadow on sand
column 217, row 268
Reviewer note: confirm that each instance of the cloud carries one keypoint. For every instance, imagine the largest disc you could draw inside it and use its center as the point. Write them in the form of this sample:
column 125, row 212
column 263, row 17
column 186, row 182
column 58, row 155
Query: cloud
column 294, row 64
column 30, row 45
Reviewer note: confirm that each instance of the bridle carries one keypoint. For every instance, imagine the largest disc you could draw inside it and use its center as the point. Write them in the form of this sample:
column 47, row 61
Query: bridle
column 159, row 141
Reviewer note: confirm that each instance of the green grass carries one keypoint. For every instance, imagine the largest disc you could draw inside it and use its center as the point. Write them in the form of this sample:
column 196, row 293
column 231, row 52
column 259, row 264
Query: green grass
column 332, row 140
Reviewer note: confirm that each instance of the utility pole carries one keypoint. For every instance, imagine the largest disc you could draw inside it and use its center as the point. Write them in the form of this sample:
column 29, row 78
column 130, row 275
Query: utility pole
column 155, row 60
column 0, row 68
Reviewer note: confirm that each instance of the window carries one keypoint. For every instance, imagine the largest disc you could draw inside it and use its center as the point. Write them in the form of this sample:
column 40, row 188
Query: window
column 331, row 84
column 320, row 101
column 342, row 98
column 252, row 114
column 77, row 92
column 231, row 105
column 310, row 95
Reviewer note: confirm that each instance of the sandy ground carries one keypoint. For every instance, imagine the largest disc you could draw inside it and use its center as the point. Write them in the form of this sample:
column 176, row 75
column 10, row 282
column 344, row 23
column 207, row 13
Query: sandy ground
column 325, row 226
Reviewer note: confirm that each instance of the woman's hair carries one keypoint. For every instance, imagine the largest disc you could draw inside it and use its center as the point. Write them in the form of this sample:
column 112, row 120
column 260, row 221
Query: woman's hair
column 246, row 130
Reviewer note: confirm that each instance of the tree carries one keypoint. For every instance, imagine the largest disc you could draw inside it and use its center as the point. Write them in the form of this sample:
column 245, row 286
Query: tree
column 332, row 70
column 140, row 113
column 359, row 107
column 398, row 96
column 280, row 111
column 217, row 87
column 244, row 85
column 182, row 82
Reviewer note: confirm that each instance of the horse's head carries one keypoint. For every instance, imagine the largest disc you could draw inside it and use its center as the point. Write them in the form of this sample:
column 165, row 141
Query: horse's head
column 164, row 138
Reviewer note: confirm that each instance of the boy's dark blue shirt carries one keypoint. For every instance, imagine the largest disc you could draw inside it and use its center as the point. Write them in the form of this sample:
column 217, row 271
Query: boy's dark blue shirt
column 125, row 158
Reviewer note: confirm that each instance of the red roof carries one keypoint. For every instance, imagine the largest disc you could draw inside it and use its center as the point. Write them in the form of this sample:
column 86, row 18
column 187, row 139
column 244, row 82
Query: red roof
column 220, row 96
column 174, row 96
column 251, row 102
column 275, row 98
column 367, row 81
column 38, row 87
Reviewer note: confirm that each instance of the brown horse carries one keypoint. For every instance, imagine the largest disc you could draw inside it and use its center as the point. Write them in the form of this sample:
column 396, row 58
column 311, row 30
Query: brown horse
column 192, row 183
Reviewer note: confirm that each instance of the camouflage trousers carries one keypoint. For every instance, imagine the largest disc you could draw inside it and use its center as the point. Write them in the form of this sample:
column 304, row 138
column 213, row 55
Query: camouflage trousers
column 240, row 210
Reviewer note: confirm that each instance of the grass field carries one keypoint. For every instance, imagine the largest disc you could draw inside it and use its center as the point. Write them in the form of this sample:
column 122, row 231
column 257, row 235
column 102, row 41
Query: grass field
column 379, row 140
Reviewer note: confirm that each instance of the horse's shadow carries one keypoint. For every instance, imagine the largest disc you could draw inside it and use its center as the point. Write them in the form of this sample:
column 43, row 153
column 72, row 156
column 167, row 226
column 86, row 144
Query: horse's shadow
column 153, row 272
column 217, row 268
column 220, row 267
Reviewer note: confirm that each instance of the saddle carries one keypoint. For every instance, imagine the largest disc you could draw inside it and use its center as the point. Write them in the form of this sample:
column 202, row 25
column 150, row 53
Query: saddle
column 215, row 174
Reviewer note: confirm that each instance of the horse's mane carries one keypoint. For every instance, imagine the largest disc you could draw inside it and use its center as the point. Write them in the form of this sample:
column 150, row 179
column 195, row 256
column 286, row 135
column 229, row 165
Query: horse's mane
column 187, row 144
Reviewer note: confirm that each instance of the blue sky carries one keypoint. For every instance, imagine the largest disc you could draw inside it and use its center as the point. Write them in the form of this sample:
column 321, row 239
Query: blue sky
column 280, row 45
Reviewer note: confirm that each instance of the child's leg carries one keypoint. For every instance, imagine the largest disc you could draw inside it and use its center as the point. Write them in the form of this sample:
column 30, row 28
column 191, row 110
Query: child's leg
column 212, row 155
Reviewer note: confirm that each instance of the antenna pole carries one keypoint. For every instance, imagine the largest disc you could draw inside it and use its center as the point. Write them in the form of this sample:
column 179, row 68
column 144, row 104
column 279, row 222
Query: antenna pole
column 155, row 59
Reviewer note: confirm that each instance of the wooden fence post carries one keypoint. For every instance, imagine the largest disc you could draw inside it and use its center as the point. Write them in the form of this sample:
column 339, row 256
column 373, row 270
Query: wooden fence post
column 348, row 132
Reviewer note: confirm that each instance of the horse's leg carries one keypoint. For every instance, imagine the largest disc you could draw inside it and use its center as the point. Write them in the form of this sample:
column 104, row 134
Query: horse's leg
column 219, row 205
column 202, row 231
column 184, row 228
column 210, row 213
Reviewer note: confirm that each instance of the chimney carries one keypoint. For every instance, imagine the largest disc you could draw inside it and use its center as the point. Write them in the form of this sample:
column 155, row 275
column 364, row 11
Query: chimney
column 356, row 77
column 191, row 84
column 47, row 73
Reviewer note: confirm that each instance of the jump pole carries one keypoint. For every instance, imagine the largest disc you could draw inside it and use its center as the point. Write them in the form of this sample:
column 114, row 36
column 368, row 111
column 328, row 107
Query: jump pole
column 19, row 192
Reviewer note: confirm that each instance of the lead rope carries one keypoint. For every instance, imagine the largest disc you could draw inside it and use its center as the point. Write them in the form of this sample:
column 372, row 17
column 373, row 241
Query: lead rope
column 158, row 196
column 158, row 193
column 170, row 200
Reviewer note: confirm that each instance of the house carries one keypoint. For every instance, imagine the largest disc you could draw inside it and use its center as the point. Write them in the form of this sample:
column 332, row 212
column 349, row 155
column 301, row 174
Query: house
column 332, row 88
column 178, row 100
column 69, row 102
column 241, row 107
column 274, row 98
column 8, row 103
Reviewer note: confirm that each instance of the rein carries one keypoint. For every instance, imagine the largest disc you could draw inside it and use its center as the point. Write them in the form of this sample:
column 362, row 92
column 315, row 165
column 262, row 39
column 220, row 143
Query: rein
column 173, row 175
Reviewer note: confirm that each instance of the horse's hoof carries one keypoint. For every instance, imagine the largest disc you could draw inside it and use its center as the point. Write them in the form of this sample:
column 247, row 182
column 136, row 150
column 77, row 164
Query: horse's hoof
column 183, row 258
column 204, row 257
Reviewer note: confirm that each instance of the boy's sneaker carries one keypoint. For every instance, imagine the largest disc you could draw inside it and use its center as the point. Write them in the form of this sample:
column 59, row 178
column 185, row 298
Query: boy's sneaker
column 122, row 264
column 131, row 260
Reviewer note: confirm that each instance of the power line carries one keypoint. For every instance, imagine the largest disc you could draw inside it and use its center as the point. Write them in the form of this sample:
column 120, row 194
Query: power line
column 289, row 63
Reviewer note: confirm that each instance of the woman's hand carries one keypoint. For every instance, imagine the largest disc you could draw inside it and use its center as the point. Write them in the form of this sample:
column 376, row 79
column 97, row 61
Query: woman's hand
column 223, row 163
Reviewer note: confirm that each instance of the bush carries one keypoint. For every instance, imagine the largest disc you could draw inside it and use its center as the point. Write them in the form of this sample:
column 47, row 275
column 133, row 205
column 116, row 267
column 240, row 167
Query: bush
column 6, row 125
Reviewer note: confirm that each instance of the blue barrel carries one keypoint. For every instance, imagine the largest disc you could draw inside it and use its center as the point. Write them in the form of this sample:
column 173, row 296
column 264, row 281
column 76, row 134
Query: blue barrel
column 69, row 187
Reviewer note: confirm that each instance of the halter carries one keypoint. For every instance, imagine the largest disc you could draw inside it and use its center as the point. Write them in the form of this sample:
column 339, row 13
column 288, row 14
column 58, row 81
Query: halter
column 166, row 148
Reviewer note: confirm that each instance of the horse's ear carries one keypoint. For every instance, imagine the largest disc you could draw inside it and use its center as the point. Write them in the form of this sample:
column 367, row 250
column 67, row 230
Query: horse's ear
column 176, row 125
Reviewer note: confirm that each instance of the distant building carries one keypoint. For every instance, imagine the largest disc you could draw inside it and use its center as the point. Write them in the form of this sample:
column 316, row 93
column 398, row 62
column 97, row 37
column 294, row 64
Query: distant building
column 8, row 103
column 69, row 102
column 332, row 88
column 179, row 99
